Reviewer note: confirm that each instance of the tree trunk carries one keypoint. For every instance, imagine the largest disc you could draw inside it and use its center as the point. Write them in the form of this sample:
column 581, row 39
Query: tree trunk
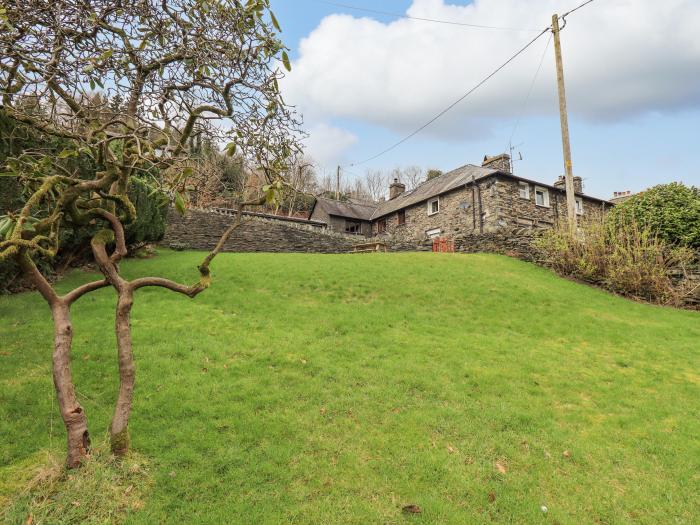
column 72, row 413
column 119, row 430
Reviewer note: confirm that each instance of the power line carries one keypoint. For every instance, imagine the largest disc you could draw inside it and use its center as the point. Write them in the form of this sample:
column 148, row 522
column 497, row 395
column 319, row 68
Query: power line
column 456, row 102
column 529, row 93
column 575, row 9
column 398, row 15
column 537, row 73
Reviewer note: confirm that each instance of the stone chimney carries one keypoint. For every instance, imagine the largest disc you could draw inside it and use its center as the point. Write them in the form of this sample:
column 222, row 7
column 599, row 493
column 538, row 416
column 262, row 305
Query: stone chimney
column 498, row 162
column 560, row 183
column 396, row 189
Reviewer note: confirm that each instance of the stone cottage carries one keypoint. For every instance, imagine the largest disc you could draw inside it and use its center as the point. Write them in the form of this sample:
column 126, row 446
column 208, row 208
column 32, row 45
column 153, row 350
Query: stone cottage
column 351, row 216
column 470, row 199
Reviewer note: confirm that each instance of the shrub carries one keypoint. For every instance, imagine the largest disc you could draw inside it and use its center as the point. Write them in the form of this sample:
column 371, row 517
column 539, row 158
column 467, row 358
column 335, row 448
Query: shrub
column 149, row 226
column 151, row 213
column 625, row 257
column 671, row 211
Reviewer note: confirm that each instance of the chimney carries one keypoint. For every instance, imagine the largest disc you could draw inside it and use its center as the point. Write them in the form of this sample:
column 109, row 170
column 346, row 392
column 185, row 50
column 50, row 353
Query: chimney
column 396, row 189
column 560, row 184
column 498, row 162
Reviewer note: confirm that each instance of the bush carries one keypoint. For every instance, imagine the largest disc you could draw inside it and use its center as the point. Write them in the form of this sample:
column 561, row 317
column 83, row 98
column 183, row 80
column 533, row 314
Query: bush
column 149, row 226
column 151, row 213
column 670, row 211
column 626, row 258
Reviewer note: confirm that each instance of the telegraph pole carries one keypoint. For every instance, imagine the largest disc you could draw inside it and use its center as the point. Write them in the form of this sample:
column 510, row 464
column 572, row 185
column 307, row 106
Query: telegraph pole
column 337, row 185
column 566, row 144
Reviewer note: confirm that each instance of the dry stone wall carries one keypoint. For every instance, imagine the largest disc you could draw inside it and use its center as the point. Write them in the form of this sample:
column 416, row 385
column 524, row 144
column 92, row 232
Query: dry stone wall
column 201, row 230
column 515, row 243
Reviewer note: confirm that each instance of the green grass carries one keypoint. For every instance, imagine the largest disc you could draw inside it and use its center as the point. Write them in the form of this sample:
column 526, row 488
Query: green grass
column 338, row 389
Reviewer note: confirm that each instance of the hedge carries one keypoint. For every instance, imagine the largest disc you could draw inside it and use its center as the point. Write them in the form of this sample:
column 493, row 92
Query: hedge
column 151, row 213
column 670, row 211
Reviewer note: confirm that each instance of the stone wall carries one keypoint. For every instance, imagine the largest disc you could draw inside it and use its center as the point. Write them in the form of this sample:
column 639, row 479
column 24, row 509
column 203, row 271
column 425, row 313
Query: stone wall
column 515, row 243
column 201, row 230
column 691, row 278
column 471, row 209
column 516, row 212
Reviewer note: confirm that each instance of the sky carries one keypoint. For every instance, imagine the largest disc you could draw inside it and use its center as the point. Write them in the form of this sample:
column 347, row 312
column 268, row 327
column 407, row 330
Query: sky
column 364, row 81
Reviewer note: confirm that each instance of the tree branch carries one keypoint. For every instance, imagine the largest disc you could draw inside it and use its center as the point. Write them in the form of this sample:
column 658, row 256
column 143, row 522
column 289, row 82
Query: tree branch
column 76, row 294
column 30, row 270
column 189, row 291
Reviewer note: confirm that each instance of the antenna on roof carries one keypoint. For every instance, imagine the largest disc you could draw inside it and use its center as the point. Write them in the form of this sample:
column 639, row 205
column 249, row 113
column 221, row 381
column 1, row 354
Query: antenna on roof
column 512, row 148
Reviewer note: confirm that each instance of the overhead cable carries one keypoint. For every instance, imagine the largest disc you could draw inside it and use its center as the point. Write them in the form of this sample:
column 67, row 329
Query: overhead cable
column 529, row 93
column 398, row 15
column 472, row 90
column 456, row 102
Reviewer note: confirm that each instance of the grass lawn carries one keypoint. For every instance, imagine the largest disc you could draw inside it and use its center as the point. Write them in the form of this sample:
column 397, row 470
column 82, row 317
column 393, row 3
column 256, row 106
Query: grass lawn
column 324, row 389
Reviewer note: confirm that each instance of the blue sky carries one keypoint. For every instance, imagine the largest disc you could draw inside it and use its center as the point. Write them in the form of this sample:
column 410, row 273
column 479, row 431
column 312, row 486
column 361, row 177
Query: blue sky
column 629, row 130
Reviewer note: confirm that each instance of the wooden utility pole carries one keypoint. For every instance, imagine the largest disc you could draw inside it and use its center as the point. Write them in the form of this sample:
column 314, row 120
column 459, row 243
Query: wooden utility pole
column 337, row 185
column 566, row 144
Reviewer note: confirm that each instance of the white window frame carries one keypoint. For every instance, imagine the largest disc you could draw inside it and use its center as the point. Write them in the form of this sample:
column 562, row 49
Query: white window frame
column 433, row 233
column 524, row 194
column 430, row 206
column 545, row 197
column 579, row 206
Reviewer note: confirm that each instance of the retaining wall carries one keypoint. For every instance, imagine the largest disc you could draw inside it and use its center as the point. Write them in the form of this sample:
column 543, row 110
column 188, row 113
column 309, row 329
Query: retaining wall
column 201, row 230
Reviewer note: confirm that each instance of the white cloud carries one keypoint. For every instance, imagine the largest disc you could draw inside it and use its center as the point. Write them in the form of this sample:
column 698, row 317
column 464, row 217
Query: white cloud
column 326, row 144
column 621, row 58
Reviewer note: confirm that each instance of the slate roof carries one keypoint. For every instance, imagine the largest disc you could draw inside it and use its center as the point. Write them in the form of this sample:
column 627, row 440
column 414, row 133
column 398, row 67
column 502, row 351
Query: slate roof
column 350, row 209
column 433, row 187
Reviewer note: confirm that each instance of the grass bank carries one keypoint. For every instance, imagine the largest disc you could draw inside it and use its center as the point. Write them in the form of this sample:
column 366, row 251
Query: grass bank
column 339, row 389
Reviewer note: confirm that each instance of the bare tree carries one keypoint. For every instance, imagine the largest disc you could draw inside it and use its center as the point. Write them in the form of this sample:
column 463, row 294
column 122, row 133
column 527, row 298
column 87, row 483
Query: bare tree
column 375, row 184
column 302, row 178
column 394, row 174
column 412, row 176
column 181, row 67
column 358, row 190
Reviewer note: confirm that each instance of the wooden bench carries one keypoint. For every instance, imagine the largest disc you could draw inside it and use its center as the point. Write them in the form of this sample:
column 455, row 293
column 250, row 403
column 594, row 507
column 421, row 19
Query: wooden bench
column 370, row 247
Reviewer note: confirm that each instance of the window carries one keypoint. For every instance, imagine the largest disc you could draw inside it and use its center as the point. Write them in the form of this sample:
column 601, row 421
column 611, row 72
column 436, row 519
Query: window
column 381, row 225
column 524, row 190
column 433, row 206
column 353, row 227
column 431, row 234
column 579, row 206
column 401, row 217
column 542, row 197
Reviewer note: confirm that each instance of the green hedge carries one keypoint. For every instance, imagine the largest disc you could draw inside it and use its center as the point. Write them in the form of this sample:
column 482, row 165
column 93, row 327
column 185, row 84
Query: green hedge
column 671, row 211
column 151, row 213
